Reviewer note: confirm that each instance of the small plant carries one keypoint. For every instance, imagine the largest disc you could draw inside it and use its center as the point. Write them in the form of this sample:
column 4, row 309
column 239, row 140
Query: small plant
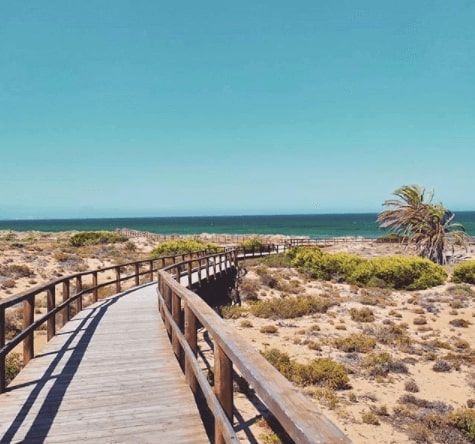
column 411, row 386
column 464, row 420
column 460, row 323
column 320, row 371
column 380, row 364
column 233, row 312
column 441, row 366
column 419, row 433
column 96, row 238
column 245, row 324
column 356, row 342
column 290, row 307
column 464, row 272
column 268, row 329
column 419, row 321
column 13, row 365
column 363, row 315
column 252, row 245
column 369, row 417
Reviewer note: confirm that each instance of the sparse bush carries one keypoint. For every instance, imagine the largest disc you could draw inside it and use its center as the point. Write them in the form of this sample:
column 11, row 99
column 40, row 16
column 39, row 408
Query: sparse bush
column 411, row 386
column 420, row 320
column 290, row 307
column 280, row 260
column 464, row 272
column 245, row 324
column 96, row 238
column 369, row 418
column 464, row 420
column 182, row 246
column 356, row 342
column 248, row 289
column 13, row 365
column 459, row 323
column 380, row 364
column 251, row 245
column 461, row 290
column 15, row 271
column 441, row 366
column 393, row 334
column 268, row 329
column 419, row 433
column 362, row 315
column 233, row 311
column 320, row 371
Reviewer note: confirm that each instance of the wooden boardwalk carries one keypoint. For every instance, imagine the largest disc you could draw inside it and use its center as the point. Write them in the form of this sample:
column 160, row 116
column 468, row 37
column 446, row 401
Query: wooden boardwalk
column 109, row 375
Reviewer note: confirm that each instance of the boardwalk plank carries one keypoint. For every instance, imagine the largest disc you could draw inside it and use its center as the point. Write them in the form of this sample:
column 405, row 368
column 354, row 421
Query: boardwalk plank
column 110, row 376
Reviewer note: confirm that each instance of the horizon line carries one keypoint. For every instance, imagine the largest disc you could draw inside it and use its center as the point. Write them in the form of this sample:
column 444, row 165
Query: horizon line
column 200, row 216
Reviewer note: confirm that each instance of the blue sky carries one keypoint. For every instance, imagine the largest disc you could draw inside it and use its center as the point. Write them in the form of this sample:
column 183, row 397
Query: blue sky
column 140, row 108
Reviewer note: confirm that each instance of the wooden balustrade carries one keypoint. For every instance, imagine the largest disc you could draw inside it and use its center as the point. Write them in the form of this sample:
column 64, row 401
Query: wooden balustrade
column 186, row 311
column 57, row 314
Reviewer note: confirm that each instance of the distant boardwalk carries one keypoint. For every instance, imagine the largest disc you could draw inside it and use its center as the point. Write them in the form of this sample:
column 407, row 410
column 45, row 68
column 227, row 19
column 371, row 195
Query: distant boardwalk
column 109, row 375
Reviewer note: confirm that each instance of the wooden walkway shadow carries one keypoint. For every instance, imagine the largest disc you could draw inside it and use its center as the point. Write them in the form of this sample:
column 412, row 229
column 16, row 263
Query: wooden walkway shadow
column 109, row 375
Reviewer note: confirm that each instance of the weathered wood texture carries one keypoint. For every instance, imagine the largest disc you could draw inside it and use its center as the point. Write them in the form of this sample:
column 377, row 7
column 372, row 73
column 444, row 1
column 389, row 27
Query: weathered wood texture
column 109, row 375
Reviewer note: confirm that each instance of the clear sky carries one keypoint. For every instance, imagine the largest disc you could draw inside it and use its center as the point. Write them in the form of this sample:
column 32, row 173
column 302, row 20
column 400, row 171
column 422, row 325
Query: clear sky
column 123, row 108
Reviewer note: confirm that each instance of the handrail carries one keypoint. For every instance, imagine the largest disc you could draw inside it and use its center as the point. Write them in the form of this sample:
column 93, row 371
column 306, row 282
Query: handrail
column 182, row 311
column 146, row 267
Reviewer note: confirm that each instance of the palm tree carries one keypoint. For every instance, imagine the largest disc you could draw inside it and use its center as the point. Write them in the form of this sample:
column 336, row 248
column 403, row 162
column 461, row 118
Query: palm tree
column 418, row 220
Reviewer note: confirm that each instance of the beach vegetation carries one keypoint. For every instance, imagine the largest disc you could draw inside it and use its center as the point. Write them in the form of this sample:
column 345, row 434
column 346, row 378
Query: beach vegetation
column 290, row 307
column 362, row 315
column 320, row 371
column 464, row 272
column 183, row 246
column 355, row 342
column 87, row 238
column 13, row 365
column 233, row 311
column 464, row 420
column 396, row 272
column 279, row 260
column 270, row 329
column 428, row 226
column 253, row 244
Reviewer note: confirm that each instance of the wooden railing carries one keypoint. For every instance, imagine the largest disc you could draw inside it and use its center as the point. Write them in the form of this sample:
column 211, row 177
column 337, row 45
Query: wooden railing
column 73, row 290
column 183, row 312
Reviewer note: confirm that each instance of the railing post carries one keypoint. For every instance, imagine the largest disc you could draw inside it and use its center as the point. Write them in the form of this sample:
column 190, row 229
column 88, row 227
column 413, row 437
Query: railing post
column 78, row 290
column 214, row 268
column 3, row 382
column 223, row 388
column 176, row 314
column 117, row 280
column 151, row 271
column 95, row 292
column 163, row 263
column 50, row 304
column 137, row 277
column 65, row 312
column 207, row 268
column 28, row 319
column 189, row 274
column 191, row 328
column 199, row 272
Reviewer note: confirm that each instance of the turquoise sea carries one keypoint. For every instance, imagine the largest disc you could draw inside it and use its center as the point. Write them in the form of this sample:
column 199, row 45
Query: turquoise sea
column 313, row 225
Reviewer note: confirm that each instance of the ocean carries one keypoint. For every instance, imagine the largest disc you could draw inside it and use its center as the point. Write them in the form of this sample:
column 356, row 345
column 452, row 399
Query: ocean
column 313, row 225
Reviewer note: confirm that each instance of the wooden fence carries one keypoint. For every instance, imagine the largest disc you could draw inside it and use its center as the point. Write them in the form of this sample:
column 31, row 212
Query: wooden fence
column 73, row 290
column 184, row 312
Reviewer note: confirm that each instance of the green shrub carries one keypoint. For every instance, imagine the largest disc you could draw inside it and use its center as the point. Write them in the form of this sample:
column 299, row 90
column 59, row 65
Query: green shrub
column 321, row 371
column 96, row 238
column 252, row 244
column 464, row 420
column 465, row 272
column 290, row 307
column 399, row 272
column 13, row 365
column 325, row 266
column 182, row 246
column 268, row 329
column 280, row 260
column 356, row 342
